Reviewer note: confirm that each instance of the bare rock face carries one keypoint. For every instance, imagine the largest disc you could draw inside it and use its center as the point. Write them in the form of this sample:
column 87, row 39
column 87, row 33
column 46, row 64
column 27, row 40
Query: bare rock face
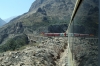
column 54, row 7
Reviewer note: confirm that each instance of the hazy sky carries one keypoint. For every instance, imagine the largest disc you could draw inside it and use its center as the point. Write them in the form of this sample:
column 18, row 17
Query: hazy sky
column 9, row 8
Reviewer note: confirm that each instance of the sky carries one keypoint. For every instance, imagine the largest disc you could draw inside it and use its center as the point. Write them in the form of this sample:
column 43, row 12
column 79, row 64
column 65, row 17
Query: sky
column 10, row 8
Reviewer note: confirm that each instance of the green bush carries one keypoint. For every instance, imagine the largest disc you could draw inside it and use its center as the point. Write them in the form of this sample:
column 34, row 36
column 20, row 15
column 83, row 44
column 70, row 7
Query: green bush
column 14, row 43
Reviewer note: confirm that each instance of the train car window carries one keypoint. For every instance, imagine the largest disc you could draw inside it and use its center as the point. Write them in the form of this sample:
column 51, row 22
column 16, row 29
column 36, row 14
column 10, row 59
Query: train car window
column 84, row 27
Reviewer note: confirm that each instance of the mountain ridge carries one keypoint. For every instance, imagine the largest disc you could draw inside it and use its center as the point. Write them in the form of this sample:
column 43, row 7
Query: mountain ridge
column 45, row 15
column 2, row 22
column 10, row 18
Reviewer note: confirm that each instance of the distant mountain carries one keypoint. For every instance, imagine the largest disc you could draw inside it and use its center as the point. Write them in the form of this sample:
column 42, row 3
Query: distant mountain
column 10, row 18
column 2, row 22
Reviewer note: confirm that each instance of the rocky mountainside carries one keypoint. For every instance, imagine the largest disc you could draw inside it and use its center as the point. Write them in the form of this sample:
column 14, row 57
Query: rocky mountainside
column 43, row 12
column 41, row 15
column 2, row 22
column 46, row 52
column 22, row 44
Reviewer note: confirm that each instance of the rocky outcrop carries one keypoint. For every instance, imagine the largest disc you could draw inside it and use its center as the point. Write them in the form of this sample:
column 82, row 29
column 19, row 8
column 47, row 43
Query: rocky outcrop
column 46, row 53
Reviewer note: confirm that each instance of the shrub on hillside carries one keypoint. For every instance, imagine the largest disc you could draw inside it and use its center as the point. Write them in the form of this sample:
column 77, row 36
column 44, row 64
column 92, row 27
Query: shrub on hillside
column 14, row 43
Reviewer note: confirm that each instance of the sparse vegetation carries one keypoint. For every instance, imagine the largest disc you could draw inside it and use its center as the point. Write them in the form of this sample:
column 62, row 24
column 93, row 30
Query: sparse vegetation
column 14, row 43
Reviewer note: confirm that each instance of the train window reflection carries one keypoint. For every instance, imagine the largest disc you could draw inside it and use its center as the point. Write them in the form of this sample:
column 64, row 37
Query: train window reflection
column 83, row 34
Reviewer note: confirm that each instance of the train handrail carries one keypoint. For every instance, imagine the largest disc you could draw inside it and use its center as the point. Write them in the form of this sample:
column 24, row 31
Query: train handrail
column 78, row 3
